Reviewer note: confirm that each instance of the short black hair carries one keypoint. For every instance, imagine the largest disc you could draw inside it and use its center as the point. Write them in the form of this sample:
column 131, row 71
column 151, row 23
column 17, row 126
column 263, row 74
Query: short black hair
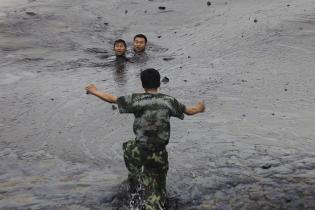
column 150, row 78
column 141, row 36
column 120, row 41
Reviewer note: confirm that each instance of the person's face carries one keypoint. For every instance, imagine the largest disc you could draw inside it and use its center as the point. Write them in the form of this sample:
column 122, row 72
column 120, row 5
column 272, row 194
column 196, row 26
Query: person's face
column 119, row 48
column 139, row 44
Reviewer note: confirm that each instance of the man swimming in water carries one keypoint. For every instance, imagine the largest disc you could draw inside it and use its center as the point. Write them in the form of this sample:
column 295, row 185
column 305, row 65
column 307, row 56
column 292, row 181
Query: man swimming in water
column 120, row 48
column 139, row 46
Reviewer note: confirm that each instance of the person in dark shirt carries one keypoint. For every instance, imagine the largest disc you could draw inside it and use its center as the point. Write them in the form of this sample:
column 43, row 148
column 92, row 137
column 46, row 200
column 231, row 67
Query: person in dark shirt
column 145, row 156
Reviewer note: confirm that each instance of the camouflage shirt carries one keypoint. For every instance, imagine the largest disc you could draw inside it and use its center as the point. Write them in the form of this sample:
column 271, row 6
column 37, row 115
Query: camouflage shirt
column 152, row 117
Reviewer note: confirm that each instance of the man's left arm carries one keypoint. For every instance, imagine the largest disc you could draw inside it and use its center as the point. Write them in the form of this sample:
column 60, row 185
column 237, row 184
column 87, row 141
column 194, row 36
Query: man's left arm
column 91, row 89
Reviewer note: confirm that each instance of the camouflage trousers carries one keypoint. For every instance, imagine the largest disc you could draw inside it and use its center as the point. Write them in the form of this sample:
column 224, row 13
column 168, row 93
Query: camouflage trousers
column 147, row 176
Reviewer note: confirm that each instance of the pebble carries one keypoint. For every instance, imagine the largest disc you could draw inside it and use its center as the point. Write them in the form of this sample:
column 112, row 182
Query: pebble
column 168, row 59
column 165, row 80
column 266, row 166
column 31, row 13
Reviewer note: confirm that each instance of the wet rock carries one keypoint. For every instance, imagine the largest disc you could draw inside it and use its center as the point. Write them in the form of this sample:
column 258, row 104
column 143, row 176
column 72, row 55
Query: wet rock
column 165, row 80
column 162, row 8
column 168, row 59
column 208, row 3
column 31, row 13
column 114, row 107
column 266, row 166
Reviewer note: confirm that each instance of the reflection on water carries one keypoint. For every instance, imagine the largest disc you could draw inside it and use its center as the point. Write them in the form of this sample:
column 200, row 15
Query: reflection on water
column 120, row 71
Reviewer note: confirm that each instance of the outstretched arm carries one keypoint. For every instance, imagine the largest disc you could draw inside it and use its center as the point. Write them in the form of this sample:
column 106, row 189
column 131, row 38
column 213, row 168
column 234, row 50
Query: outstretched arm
column 198, row 108
column 91, row 89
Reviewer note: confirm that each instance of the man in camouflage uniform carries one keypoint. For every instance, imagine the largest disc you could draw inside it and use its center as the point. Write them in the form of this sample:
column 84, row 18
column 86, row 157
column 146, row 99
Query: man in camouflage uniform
column 146, row 157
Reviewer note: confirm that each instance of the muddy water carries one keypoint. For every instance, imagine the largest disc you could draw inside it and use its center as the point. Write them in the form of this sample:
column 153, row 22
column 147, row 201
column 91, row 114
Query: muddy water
column 252, row 149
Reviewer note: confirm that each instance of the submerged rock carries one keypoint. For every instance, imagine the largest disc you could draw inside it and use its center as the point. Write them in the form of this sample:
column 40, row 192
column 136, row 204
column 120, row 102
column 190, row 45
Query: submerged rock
column 165, row 80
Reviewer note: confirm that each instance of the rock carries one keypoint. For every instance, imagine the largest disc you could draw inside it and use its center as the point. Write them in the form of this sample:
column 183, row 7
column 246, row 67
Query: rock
column 114, row 107
column 266, row 166
column 168, row 59
column 162, row 8
column 208, row 3
column 31, row 13
column 165, row 80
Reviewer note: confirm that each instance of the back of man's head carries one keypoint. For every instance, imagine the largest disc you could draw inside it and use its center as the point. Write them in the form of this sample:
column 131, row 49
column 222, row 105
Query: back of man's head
column 150, row 78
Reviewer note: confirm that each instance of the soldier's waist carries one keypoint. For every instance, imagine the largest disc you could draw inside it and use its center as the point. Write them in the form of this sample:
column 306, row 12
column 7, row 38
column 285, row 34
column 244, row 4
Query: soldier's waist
column 150, row 147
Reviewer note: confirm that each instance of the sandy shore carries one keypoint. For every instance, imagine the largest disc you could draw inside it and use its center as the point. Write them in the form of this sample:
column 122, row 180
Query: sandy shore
column 251, row 61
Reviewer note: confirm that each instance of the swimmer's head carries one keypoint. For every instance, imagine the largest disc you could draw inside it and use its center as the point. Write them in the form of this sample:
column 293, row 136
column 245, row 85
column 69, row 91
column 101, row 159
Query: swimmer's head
column 120, row 47
column 139, row 43
column 150, row 79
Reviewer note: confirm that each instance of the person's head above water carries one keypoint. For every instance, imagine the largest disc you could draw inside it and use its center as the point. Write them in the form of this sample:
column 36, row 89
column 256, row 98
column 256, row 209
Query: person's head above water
column 139, row 43
column 120, row 47
column 150, row 79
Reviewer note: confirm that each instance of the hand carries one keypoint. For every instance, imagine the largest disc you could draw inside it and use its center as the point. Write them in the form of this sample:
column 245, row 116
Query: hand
column 91, row 88
column 201, row 106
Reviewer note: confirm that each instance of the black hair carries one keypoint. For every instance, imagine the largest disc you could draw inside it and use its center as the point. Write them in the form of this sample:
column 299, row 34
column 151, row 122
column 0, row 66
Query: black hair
column 120, row 41
column 141, row 36
column 150, row 78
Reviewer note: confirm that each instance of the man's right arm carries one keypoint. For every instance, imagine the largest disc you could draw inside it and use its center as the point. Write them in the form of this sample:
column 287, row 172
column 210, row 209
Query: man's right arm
column 91, row 89
column 198, row 108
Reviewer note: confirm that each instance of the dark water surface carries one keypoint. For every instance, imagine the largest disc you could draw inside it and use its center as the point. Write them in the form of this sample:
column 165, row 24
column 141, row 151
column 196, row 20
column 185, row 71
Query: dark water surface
column 253, row 148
